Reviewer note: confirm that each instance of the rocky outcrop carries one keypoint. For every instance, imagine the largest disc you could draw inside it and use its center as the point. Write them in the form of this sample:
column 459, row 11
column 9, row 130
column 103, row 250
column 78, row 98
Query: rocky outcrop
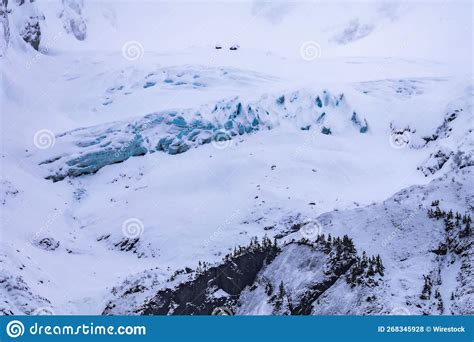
column 455, row 261
column 73, row 20
column 4, row 27
column 435, row 161
column 452, row 143
column 201, row 293
column 31, row 28
column 17, row 298
column 262, row 278
column 20, row 18
column 23, row 19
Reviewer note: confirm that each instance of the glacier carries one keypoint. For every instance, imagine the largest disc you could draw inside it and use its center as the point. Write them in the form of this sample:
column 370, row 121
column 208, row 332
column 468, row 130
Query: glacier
column 324, row 167
column 87, row 150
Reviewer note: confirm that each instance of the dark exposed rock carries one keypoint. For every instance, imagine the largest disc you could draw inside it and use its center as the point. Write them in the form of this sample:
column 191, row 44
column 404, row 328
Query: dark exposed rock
column 17, row 298
column 48, row 244
column 458, row 157
column 242, row 272
column 444, row 129
column 457, row 245
column 435, row 162
column 31, row 33
column 73, row 20
column 195, row 297
column 26, row 17
column 4, row 27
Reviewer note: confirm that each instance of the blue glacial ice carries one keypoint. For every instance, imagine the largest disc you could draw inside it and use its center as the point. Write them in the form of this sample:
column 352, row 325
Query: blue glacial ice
column 87, row 150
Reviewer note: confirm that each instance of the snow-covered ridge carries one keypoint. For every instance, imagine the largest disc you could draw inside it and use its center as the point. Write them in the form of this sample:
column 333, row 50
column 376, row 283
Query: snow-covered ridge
column 423, row 235
column 263, row 278
column 452, row 143
column 86, row 150
column 397, row 88
column 179, row 78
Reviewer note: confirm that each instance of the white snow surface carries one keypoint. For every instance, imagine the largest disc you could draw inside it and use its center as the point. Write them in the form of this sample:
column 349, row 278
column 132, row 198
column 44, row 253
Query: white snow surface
column 399, row 65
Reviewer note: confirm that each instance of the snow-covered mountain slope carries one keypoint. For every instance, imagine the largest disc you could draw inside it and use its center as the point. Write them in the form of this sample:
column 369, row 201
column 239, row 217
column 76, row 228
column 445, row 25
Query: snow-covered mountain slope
column 131, row 165
column 261, row 278
column 416, row 248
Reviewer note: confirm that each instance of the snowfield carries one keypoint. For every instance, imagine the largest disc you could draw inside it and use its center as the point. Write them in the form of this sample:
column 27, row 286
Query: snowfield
column 318, row 169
